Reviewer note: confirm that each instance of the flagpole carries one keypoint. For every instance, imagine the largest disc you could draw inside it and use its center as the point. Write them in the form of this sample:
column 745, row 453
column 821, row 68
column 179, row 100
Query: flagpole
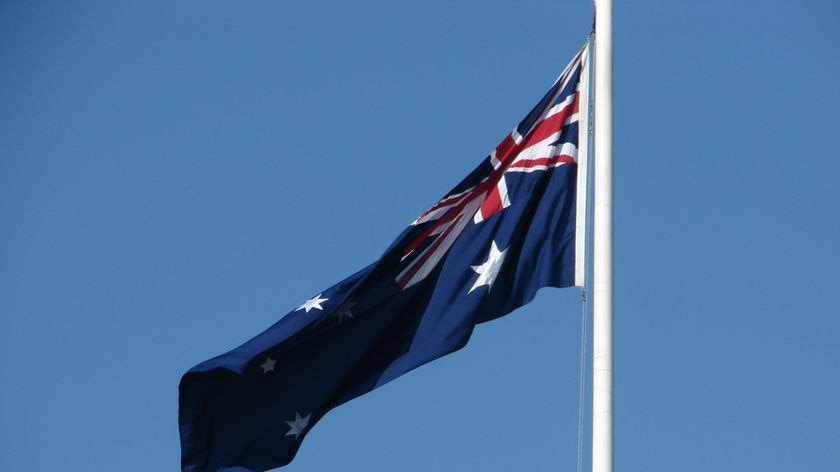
column 602, row 301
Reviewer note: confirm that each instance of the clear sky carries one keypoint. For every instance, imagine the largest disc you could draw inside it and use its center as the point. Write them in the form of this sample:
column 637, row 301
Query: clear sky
column 175, row 176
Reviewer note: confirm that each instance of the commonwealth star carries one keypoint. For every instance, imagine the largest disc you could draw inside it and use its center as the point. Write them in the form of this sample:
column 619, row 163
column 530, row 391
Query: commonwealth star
column 489, row 270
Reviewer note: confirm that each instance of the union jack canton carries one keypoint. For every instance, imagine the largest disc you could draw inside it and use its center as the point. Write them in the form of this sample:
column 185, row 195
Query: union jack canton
column 548, row 137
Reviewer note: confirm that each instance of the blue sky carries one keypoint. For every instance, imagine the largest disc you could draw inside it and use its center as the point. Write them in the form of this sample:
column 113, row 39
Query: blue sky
column 174, row 176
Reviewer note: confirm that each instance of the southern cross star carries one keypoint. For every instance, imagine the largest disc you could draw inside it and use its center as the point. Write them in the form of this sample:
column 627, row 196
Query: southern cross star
column 313, row 303
column 344, row 311
column 268, row 365
column 298, row 425
column 489, row 270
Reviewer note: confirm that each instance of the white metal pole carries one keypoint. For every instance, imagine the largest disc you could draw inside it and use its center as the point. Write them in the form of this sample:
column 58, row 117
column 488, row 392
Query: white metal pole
column 602, row 301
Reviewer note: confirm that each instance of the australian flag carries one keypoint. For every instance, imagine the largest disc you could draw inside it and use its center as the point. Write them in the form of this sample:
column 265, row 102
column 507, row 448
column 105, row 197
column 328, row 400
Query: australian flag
column 508, row 229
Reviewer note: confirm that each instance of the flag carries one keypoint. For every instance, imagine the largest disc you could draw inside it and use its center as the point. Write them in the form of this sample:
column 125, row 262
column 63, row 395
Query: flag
column 509, row 228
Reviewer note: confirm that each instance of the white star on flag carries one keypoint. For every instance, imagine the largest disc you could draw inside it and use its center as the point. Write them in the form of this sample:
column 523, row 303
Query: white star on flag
column 344, row 311
column 268, row 365
column 313, row 303
column 297, row 425
column 489, row 270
